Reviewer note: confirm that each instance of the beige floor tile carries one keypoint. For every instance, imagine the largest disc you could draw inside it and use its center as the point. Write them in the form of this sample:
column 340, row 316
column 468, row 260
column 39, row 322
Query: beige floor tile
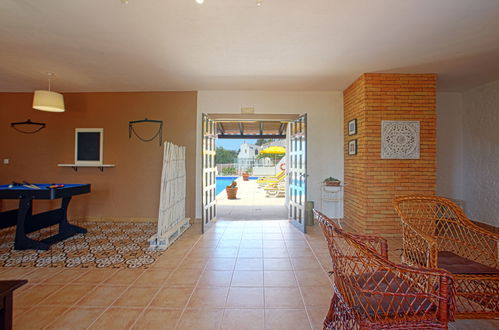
column 17, row 311
column 136, row 297
column 225, row 253
column 194, row 263
column 183, row 277
column 245, row 298
column 174, row 297
column 201, row 319
column 243, row 319
column 166, row 263
column 117, row 318
column 152, row 278
column 267, row 244
column 215, row 278
column 300, row 252
column 208, row 298
column 251, row 242
column 476, row 324
column 305, row 264
column 36, row 294
column 289, row 319
column 96, row 276
column 317, row 316
column 102, row 296
column 221, row 264
column 317, row 296
column 277, row 264
column 41, row 274
column 281, row 278
column 249, row 264
column 124, row 277
column 283, row 298
column 38, row 317
column 66, row 276
column 312, row 278
column 250, row 253
column 247, row 278
column 68, row 295
column 15, row 273
column 76, row 318
column 275, row 253
column 157, row 318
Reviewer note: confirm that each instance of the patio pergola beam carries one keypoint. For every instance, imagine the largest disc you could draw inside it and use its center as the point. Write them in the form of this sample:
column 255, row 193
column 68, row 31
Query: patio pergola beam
column 252, row 136
column 282, row 128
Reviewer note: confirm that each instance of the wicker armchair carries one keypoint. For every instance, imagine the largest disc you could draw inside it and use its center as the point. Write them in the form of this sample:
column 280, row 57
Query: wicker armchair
column 437, row 233
column 371, row 292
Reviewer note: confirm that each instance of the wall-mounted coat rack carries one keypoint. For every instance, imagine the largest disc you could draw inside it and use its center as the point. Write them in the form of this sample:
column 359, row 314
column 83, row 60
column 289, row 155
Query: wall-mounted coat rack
column 30, row 123
column 159, row 133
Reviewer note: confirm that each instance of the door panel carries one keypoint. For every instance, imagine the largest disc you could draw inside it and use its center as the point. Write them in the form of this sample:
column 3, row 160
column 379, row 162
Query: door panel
column 208, row 174
column 297, row 171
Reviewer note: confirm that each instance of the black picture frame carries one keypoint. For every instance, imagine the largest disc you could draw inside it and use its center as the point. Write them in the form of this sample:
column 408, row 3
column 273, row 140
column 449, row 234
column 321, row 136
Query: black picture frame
column 352, row 147
column 352, row 127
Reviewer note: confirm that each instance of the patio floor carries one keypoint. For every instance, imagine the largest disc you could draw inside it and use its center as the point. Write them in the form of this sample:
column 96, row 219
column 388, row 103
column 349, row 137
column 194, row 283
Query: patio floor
column 251, row 204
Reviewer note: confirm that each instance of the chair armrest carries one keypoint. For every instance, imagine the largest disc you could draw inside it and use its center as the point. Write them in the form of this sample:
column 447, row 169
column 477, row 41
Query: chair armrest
column 419, row 249
column 378, row 244
column 472, row 242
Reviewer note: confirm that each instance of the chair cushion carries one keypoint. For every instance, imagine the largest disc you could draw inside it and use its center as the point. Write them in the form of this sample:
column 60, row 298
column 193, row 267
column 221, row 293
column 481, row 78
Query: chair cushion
column 456, row 264
column 388, row 305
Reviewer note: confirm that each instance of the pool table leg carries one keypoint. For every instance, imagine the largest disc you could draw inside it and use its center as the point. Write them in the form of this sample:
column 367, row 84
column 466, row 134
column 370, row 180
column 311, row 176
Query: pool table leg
column 22, row 242
column 64, row 226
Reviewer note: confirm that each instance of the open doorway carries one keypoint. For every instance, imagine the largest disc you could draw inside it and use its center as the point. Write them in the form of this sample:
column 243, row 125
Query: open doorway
column 259, row 148
column 257, row 166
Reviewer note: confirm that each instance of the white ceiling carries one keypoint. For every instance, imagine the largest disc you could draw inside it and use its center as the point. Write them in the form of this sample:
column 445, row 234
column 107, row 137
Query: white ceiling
column 159, row 45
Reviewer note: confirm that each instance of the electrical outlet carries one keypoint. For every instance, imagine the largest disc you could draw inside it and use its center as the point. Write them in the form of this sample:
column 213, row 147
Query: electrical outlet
column 6, row 161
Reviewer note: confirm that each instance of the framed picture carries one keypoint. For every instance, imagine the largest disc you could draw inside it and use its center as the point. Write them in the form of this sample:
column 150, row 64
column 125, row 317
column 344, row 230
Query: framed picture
column 88, row 146
column 352, row 127
column 352, row 147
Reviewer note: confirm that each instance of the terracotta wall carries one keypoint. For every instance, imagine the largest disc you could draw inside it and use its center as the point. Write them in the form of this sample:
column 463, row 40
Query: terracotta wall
column 131, row 189
column 372, row 182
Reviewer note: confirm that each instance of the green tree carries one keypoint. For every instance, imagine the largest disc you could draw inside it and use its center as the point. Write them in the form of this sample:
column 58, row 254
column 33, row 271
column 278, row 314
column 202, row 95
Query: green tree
column 224, row 156
column 260, row 142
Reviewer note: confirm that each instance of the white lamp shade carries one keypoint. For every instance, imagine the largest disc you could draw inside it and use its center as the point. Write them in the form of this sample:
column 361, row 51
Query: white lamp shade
column 48, row 101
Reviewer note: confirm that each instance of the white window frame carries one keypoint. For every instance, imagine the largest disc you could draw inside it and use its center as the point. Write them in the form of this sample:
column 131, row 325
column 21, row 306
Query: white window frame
column 101, row 149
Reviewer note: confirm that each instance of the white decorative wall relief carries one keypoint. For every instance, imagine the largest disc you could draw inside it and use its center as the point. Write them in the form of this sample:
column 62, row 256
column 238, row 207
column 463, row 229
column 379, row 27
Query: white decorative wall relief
column 399, row 139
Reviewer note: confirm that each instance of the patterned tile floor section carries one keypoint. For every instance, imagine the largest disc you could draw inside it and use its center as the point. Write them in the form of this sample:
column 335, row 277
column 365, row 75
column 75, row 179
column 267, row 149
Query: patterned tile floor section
column 239, row 275
column 106, row 244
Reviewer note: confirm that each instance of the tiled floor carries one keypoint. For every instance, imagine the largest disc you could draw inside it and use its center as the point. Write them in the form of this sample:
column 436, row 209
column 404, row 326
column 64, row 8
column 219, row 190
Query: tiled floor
column 251, row 203
column 239, row 275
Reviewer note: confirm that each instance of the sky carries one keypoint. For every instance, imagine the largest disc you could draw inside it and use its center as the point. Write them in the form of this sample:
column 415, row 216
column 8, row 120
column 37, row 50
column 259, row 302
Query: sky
column 233, row 144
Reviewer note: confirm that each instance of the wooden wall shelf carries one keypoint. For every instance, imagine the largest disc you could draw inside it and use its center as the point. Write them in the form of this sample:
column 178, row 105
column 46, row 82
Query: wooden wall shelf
column 75, row 167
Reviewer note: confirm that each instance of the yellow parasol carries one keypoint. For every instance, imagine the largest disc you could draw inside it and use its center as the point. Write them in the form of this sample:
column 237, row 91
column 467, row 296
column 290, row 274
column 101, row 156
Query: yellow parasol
column 274, row 150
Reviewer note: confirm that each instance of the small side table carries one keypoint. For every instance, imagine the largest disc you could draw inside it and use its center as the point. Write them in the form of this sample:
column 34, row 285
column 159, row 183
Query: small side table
column 6, row 290
column 332, row 201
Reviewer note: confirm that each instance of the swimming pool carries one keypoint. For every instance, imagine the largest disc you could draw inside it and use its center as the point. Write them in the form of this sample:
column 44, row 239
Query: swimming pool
column 224, row 181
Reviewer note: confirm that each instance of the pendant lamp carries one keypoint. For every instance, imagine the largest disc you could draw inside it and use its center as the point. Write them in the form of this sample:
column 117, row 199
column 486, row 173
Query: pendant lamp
column 46, row 100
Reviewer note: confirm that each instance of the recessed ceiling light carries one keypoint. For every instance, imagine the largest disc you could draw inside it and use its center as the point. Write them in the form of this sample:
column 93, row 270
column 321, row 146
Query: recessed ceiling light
column 200, row 1
column 259, row 2
column 125, row 2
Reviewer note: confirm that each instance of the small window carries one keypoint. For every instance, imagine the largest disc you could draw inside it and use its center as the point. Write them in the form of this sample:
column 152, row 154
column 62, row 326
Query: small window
column 88, row 146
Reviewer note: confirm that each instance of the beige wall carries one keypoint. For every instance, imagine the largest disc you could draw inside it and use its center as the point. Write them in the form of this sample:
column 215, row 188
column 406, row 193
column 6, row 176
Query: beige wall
column 325, row 127
column 450, row 145
column 129, row 190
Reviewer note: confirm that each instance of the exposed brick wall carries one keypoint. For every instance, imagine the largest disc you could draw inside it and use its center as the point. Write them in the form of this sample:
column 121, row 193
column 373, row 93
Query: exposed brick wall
column 372, row 182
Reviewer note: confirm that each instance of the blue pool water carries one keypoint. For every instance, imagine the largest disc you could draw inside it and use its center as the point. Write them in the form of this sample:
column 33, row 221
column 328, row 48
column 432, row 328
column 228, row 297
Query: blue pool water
column 224, row 181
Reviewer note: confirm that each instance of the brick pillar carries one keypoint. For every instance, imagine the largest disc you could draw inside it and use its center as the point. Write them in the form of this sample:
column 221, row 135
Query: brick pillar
column 372, row 182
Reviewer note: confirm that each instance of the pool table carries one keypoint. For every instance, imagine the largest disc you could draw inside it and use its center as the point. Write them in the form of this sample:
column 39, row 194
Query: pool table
column 26, row 222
